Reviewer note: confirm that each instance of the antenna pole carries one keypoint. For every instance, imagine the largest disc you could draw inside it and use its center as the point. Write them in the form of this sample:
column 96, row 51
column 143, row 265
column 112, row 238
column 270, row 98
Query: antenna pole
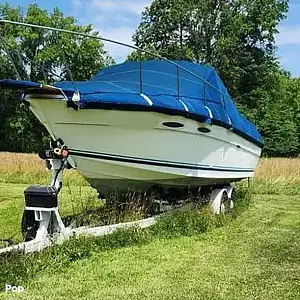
column 141, row 72
column 178, row 84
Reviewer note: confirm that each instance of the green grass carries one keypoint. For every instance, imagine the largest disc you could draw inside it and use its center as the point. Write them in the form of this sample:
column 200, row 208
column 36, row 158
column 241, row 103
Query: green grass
column 254, row 253
column 255, row 256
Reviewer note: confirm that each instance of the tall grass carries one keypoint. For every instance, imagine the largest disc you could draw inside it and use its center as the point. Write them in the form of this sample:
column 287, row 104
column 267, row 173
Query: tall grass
column 281, row 169
column 29, row 169
column 277, row 176
column 272, row 176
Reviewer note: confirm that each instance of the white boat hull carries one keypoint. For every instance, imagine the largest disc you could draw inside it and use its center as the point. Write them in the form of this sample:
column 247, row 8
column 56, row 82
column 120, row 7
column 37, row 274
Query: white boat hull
column 133, row 149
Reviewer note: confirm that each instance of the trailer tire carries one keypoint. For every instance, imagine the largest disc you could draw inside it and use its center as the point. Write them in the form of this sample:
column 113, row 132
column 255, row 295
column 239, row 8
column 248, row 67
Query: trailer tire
column 220, row 201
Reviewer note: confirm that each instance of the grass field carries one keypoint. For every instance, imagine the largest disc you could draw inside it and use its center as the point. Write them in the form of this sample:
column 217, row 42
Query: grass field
column 254, row 256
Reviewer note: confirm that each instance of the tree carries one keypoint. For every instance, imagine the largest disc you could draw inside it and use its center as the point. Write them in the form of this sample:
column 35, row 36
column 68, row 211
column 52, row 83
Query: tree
column 57, row 52
column 279, row 116
column 43, row 56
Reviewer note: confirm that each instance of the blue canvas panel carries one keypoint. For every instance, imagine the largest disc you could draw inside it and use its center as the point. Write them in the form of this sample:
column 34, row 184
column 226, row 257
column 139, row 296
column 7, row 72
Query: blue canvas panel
column 114, row 98
column 18, row 84
column 196, row 107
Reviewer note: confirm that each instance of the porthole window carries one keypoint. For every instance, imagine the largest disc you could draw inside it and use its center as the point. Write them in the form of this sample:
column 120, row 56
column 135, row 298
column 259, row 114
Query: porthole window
column 203, row 129
column 173, row 124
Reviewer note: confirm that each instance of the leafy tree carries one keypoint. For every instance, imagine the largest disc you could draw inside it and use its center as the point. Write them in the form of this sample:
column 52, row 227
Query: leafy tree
column 44, row 56
column 278, row 117
column 57, row 52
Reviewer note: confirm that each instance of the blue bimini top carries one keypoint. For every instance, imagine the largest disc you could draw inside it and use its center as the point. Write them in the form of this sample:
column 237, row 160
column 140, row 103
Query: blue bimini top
column 178, row 88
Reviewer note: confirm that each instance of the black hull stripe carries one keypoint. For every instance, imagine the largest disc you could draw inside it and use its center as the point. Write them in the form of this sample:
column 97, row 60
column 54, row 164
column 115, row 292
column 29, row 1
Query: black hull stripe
column 150, row 162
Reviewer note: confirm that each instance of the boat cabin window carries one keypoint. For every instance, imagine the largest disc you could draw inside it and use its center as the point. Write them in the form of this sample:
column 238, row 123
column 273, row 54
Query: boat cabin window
column 173, row 124
column 203, row 129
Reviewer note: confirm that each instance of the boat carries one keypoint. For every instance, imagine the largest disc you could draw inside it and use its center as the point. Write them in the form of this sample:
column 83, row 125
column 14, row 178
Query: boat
column 145, row 125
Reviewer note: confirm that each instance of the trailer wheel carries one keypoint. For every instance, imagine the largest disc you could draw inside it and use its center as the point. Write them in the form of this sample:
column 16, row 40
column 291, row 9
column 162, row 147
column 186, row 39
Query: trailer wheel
column 226, row 203
column 220, row 201
column 29, row 225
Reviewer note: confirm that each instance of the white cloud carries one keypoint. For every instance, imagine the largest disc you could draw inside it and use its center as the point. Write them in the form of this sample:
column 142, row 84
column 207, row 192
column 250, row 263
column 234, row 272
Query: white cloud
column 287, row 62
column 76, row 4
column 288, row 35
column 132, row 6
column 121, row 34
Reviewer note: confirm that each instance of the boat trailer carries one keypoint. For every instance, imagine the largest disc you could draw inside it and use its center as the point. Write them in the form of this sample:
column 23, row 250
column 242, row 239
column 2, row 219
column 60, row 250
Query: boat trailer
column 42, row 225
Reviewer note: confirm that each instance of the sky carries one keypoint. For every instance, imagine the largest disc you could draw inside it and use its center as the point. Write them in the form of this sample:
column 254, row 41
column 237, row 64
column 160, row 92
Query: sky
column 118, row 19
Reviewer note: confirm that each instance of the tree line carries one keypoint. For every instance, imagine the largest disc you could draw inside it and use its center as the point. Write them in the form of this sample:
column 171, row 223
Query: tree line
column 236, row 37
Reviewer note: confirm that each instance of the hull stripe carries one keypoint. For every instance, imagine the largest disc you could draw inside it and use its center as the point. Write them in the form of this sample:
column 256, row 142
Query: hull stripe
column 152, row 162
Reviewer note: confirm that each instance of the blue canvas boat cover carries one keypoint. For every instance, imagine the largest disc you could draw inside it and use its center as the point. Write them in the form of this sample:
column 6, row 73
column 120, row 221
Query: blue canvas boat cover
column 180, row 88
column 18, row 84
